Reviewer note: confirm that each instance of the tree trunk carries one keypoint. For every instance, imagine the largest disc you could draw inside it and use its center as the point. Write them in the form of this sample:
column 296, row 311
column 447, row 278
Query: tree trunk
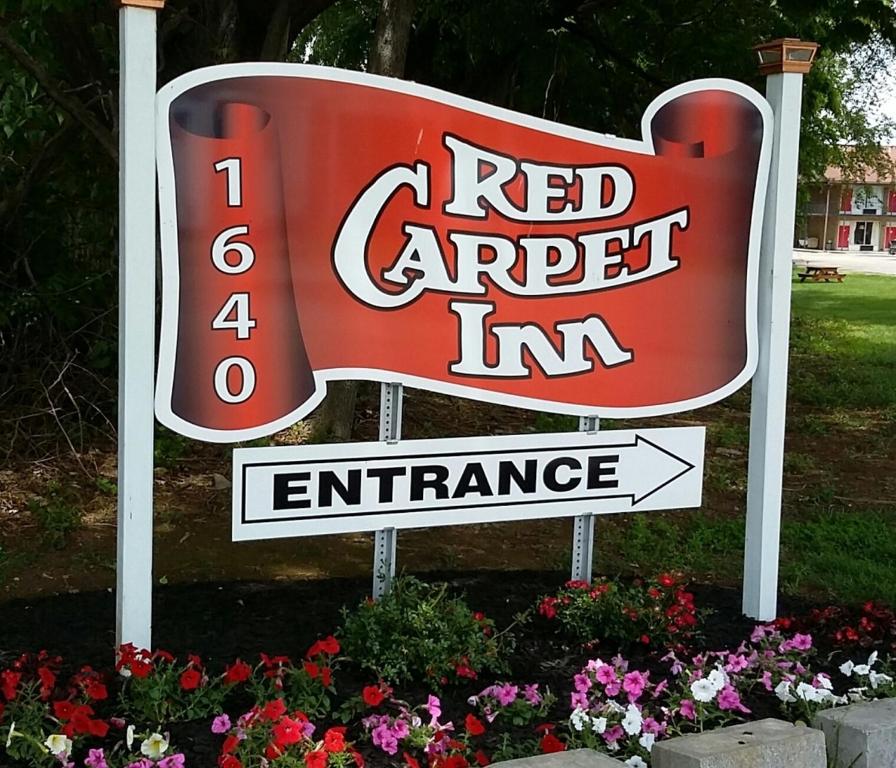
column 387, row 57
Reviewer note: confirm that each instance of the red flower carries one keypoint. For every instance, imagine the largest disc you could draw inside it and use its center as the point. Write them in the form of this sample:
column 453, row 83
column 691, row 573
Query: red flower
column 272, row 751
column 550, row 743
column 329, row 645
column 326, row 676
column 474, row 726
column 334, row 741
column 96, row 690
column 80, row 719
column 63, row 710
column 238, row 672
column 410, row 761
column 273, row 710
column 463, row 669
column 47, row 682
column 372, row 695
column 230, row 744
column 546, row 607
column 287, row 732
column 455, row 761
column 577, row 584
column 665, row 580
column 312, row 669
column 357, row 757
column 229, row 761
column 316, row 759
column 190, row 679
column 481, row 758
column 645, row 639
column 98, row 728
column 163, row 655
column 9, row 682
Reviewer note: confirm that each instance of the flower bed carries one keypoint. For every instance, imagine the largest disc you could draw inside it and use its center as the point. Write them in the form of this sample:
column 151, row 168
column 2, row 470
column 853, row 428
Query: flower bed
column 433, row 681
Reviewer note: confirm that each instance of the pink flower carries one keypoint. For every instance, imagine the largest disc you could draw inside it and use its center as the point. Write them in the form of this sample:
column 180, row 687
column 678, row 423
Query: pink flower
column 221, row 724
column 434, row 707
column 613, row 688
column 760, row 632
column 660, row 689
column 766, row 681
column 736, row 663
column 686, row 708
column 582, row 683
column 382, row 737
column 531, row 694
column 506, row 694
column 605, row 674
column 172, row 761
column 578, row 700
column 400, row 729
column 729, row 699
column 612, row 735
column 633, row 684
column 95, row 759
column 650, row 725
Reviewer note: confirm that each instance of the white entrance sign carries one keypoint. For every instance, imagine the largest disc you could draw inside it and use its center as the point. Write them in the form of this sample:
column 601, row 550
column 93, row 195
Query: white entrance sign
column 309, row 490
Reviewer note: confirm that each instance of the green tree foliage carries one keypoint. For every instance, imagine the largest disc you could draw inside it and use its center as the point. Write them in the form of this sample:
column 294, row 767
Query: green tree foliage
column 591, row 63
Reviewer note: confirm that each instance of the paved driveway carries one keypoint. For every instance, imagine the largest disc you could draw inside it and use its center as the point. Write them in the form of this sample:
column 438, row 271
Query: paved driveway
column 847, row 262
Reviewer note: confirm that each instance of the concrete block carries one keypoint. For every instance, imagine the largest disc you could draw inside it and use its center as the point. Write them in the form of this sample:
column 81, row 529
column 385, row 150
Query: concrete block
column 763, row 744
column 574, row 758
column 861, row 735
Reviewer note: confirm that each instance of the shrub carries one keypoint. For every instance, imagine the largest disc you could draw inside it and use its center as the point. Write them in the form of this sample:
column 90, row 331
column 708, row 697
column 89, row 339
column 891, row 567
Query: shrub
column 417, row 632
column 655, row 612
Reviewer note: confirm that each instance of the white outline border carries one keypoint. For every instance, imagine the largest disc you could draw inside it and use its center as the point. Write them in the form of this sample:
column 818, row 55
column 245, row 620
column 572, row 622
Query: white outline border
column 170, row 260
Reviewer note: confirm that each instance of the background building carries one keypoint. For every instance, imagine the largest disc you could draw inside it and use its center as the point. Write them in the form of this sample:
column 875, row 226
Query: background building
column 852, row 214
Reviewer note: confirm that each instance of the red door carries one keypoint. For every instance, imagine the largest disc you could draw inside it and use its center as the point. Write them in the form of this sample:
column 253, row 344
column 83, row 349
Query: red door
column 891, row 203
column 889, row 236
column 843, row 236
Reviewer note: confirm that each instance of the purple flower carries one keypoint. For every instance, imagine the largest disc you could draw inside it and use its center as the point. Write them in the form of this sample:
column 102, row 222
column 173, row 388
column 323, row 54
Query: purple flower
column 172, row 761
column 382, row 737
column 686, row 708
column 760, row 631
column 613, row 688
column 736, row 663
column 400, row 729
column 766, row 681
column 96, row 758
column 221, row 724
column 650, row 725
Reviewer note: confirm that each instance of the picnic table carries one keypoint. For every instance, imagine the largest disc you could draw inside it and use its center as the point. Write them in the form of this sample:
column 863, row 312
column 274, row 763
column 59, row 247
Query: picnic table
column 816, row 273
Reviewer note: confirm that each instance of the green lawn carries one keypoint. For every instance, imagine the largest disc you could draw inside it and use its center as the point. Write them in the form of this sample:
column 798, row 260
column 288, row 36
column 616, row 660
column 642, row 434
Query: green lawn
column 838, row 539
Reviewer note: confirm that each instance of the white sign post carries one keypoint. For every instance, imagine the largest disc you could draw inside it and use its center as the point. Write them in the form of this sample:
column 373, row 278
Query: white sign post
column 784, row 61
column 136, row 320
column 310, row 490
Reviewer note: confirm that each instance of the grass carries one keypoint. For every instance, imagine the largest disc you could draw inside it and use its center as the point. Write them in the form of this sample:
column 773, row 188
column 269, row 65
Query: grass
column 842, row 409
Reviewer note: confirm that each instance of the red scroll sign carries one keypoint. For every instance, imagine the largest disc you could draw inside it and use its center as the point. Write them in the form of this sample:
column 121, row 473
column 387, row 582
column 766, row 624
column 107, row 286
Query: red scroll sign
column 321, row 225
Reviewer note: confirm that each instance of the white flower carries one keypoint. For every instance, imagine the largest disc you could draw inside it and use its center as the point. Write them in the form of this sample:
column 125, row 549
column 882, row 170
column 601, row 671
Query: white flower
column 718, row 679
column 647, row 740
column 703, row 690
column 578, row 719
column 824, row 682
column 632, row 721
column 615, row 707
column 856, row 694
column 846, row 668
column 598, row 725
column 876, row 678
column 154, row 747
column 12, row 730
column 782, row 691
column 59, row 745
column 124, row 672
column 635, row 762
column 872, row 659
column 129, row 736
column 861, row 669
column 806, row 692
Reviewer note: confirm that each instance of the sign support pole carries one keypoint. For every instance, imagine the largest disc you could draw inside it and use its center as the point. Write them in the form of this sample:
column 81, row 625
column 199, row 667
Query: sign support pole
column 583, row 525
column 769, row 395
column 386, row 540
column 136, row 320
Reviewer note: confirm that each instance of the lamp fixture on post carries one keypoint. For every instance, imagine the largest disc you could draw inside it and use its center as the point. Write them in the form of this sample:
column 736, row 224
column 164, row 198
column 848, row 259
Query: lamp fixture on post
column 784, row 62
column 786, row 54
